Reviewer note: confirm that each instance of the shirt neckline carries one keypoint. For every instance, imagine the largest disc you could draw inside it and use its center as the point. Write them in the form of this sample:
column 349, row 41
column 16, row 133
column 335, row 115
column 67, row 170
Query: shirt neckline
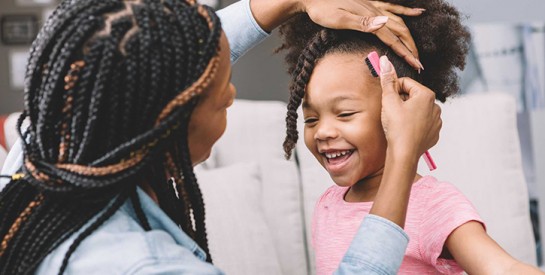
column 420, row 181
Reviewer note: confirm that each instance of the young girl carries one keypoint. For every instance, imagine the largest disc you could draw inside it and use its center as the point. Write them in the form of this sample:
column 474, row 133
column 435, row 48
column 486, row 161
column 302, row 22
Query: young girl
column 123, row 97
column 341, row 103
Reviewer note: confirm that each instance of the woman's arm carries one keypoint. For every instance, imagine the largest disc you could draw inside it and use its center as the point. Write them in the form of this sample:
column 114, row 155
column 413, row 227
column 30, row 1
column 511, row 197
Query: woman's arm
column 380, row 243
column 246, row 23
column 477, row 253
column 411, row 127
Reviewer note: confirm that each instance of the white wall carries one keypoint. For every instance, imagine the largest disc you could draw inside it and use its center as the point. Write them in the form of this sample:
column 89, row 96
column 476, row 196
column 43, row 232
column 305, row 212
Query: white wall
column 501, row 10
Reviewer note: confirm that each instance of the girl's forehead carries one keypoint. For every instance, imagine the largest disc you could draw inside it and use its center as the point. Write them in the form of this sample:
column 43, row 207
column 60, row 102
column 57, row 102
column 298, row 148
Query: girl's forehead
column 341, row 98
column 341, row 76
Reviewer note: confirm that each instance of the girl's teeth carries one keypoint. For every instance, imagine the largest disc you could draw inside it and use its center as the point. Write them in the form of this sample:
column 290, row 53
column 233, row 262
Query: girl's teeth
column 335, row 155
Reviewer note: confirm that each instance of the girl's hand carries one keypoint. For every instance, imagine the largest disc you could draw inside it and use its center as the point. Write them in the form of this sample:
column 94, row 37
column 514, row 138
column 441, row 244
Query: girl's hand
column 411, row 126
column 375, row 17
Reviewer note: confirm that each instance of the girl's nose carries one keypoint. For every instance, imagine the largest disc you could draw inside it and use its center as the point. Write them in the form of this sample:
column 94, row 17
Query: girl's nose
column 326, row 131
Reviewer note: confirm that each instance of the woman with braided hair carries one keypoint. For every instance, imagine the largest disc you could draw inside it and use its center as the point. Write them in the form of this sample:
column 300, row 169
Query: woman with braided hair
column 124, row 98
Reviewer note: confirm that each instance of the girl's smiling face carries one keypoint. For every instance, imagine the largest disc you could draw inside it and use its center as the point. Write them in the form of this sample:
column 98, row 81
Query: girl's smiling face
column 343, row 130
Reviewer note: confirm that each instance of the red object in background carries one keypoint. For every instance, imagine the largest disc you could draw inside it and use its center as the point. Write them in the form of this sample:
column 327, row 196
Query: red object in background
column 2, row 134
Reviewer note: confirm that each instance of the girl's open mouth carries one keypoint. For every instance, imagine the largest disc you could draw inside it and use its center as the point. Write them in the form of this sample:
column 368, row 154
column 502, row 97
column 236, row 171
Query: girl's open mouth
column 337, row 159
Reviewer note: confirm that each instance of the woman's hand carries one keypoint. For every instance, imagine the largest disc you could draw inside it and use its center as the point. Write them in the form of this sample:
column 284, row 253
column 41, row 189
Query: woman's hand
column 411, row 126
column 362, row 15
column 369, row 16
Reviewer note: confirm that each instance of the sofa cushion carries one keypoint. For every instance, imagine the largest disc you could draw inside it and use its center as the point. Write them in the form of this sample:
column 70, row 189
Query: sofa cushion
column 239, row 238
column 282, row 205
column 479, row 152
column 255, row 132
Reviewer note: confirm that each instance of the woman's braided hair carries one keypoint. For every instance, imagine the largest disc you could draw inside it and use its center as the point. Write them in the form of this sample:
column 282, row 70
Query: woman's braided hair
column 110, row 88
column 442, row 42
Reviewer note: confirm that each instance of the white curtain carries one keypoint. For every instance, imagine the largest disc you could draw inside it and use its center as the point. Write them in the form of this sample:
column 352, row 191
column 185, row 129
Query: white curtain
column 510, row 58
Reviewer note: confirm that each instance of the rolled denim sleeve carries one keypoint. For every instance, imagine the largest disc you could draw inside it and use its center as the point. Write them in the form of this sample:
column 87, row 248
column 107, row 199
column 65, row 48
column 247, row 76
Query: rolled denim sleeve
column 378, row 248
column 241, row 28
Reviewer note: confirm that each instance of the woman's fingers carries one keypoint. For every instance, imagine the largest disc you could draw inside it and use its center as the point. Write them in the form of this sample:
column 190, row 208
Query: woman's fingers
column 395, row 43
column 372, row 24
column 412, row 122
column 345, row 20
column 393, row 17
column 421, row 105
column 369, row 16
column 413, row 88
column 398, row 27
column 397, row 9
column 436, row 128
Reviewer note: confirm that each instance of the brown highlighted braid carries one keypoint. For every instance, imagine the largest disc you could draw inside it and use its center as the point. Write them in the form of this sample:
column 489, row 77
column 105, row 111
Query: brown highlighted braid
column 110, row 89
column 442, row 42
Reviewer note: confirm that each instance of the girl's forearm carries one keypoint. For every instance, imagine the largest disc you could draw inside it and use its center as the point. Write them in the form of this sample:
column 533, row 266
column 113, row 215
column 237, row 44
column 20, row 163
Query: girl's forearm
column 522, row 269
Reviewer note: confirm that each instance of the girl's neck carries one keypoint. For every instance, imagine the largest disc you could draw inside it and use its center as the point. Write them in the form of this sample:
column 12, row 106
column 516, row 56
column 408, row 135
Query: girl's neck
column 366, row 189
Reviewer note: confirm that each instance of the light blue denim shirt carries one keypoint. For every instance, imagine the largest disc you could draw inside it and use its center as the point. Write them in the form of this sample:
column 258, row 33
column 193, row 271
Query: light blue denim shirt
column 241, row 29
column 121, row 246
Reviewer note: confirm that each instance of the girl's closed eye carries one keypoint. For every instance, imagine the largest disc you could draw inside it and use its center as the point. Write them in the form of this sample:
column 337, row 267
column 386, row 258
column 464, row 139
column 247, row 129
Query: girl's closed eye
column 347, row 114
column 310, row 120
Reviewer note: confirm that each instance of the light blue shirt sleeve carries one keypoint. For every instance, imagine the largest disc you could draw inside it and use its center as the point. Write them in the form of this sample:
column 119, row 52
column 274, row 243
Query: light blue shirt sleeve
column 241, row 28
column 378, row 248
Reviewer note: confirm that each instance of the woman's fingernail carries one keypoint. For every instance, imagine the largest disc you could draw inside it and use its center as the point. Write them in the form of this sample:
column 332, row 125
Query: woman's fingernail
column 385, row 65
column 419, row 64
column 379, row 20
column 419, row 10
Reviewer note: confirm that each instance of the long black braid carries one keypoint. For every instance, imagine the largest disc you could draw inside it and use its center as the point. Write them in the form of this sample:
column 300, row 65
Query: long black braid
column 110, row 89
column 301, row 75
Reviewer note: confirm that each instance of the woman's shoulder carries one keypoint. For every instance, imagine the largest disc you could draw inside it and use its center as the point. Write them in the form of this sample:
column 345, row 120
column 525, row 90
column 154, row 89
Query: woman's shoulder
column 121, row 246
column 116, row 245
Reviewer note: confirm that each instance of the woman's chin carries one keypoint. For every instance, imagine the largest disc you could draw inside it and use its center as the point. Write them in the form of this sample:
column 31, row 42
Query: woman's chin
column 200, row 159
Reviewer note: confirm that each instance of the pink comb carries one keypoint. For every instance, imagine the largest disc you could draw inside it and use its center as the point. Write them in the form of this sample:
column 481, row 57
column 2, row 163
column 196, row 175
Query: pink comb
column 373, row 62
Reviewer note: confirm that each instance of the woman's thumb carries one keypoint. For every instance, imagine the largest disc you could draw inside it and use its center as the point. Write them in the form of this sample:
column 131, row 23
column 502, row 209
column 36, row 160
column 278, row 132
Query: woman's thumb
column 388, row 79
